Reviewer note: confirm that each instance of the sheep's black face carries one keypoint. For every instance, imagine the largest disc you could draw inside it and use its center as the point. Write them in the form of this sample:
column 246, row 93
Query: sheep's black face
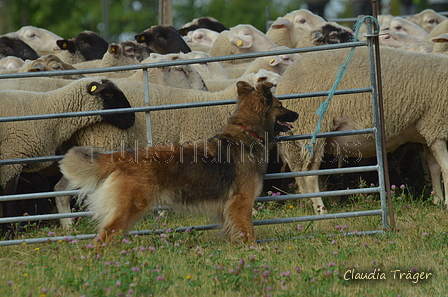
column 91, row 45
column 163, row 40
column 15, row 47
column 113, row 98
column 204, row 22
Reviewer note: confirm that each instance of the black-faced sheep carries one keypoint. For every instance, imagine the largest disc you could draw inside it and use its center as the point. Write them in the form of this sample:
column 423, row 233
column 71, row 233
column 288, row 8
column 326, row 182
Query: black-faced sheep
column 163, row 39
column 25, row 139
column 204, row 22
column 11, row 45
column 86, row 46
column 414, row 109
column 331, row 33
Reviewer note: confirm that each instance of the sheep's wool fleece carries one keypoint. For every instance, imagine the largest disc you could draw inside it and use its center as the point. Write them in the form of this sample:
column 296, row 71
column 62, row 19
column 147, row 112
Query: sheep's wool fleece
column 414, row 91
column 25, row 139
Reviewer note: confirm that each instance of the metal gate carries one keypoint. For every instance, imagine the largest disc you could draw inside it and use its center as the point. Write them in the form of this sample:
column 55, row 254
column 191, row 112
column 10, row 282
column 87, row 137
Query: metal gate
column 376, row 130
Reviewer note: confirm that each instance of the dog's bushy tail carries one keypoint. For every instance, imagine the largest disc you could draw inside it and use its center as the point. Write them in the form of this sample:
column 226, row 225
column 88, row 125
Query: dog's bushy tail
column 80, row 167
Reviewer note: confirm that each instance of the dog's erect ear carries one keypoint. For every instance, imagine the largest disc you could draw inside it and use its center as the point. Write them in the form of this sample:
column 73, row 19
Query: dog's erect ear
column 243, row 88
column 265, row 89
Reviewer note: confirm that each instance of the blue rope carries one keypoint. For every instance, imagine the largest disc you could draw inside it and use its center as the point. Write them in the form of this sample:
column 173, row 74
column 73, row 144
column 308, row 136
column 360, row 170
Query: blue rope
column 340, row 74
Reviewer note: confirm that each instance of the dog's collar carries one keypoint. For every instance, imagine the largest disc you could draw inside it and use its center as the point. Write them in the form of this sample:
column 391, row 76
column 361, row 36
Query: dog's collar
column 251, row 132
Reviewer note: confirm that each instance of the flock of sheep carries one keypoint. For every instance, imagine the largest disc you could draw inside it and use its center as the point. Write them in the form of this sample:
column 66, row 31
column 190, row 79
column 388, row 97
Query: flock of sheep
column 414, row 65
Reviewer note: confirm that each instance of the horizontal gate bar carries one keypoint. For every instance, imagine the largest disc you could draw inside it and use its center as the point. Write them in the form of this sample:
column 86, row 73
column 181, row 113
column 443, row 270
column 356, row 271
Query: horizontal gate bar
column 259, row 199
column 199, row 228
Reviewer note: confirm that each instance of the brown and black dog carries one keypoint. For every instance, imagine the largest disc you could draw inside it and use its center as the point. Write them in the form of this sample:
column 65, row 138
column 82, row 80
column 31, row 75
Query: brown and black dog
column 222, row 175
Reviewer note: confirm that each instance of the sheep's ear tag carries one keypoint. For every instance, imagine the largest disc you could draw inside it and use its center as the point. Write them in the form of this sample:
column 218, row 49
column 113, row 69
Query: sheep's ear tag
column 239, row 43
column 142, row 38
column 93, row 88
column 272, row 60
column 65, row 45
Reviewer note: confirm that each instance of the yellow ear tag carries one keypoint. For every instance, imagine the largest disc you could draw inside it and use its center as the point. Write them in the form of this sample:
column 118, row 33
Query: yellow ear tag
column 142, row 38
column 239, row 43
column 93, row 89
column 112, row 49
column 272, row 60
column 64, row 45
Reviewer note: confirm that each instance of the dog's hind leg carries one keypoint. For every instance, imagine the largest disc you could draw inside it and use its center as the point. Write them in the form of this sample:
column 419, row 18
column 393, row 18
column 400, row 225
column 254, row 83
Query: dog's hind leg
column 120, row 204
column 237, row 214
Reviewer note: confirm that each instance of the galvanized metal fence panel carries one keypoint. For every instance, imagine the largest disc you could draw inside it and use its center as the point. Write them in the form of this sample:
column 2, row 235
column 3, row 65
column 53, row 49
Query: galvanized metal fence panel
column 381, row 189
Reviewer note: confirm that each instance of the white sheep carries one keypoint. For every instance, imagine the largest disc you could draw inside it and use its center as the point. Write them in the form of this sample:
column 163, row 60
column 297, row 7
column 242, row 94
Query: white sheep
column 11, row 62
column 177, row 76
column 403, row 41
column 399, row 24
column 241, row 39
column 439, row 29
column 427, row 19
column 41, row 40
column 440, row 44
column 215, row 85
column 275, row 63
column 414, row 109
column 209, row 70
column 25, row 139
column 48, row 62
column 201, row 36
column 294, row 29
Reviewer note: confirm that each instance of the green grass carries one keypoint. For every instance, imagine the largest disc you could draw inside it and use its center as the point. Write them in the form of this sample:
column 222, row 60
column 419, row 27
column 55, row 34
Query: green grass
column 201, row 263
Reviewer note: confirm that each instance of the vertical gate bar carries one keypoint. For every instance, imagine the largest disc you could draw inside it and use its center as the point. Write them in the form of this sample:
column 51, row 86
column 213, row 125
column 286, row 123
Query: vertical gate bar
column 378, row 119
column 147, row 113
column 383, row 134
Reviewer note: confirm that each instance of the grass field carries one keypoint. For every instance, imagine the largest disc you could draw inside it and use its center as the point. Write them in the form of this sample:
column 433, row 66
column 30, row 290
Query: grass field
column 409, row 261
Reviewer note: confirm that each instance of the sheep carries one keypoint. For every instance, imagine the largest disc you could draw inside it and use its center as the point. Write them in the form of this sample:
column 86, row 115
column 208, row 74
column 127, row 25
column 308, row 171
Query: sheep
column 11, row 45
column 209, row 70
column 438, row 30
column 275, row 63
column 202, row 36
column 403, row 41
column 177, row 76
column 11, row 62
column 39, row 39
column 203, row 22
column 414, row 111
column 42, row 137
column 294, row 29
column 427, row 19
column 201, row 39
column 46, row 63
column 163, row 39
column 241, row 39
column 440, row 44
column 215, row 85
column 399, row 24
column 86, row 46
column 331, row 33
column 50, row 62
